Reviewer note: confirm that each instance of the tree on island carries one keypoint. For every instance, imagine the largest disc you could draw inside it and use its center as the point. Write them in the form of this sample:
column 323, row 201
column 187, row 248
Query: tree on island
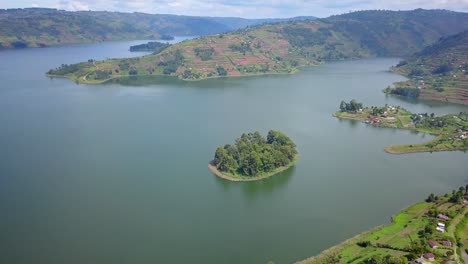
column 253, row 154
column 352, row 106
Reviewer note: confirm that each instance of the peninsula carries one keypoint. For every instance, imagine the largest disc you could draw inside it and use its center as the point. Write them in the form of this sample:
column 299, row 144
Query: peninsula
column 254, row 157
column 433, row 231
column 450, row 131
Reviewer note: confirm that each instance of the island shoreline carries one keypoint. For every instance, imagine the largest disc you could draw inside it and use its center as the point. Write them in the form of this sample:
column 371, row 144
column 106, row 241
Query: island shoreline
column 221, row 175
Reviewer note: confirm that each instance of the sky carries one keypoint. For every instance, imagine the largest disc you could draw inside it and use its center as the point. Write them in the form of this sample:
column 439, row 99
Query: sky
column 239, row 8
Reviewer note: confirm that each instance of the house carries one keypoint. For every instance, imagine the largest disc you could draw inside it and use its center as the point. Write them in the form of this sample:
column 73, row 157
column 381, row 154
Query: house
column 375, row 120
column 440, row 229
column 429, row 256
column 443, row 217
column 432, row 244
column 441, row 225
column 446, row 243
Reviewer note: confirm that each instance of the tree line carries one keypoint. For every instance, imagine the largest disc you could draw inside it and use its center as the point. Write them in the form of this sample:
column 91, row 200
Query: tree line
column 253, row 154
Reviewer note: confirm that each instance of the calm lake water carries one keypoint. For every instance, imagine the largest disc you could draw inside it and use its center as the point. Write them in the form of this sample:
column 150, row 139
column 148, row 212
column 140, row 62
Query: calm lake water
column 118, row 174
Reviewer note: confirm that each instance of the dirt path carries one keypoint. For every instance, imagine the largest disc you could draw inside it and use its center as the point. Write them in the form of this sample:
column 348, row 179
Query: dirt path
column 465, row 256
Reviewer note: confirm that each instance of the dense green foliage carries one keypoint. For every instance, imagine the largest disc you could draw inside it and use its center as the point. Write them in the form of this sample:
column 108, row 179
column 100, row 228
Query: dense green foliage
column 242, row 47
column 352, row 106
column 167, row 37
column 204, row 53
column 65, row 69
column 253, row 154
column 172, row 62
column 302, row 36
column 150, row 46
column 406, row 91
column 221, row 71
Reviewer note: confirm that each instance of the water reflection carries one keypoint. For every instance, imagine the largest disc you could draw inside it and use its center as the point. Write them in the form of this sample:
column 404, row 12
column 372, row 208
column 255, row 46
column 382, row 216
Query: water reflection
column 252, row 189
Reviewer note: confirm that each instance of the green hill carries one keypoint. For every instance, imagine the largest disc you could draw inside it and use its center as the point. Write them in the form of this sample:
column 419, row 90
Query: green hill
column 439, row 72
column 39, row 27
column 283, row 47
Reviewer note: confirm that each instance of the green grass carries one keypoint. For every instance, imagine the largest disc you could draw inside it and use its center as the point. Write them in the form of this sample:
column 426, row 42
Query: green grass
column 404, row 228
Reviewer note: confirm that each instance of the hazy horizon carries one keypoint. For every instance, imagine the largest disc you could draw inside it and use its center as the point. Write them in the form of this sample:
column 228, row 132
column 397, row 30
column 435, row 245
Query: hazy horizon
column 239, row 8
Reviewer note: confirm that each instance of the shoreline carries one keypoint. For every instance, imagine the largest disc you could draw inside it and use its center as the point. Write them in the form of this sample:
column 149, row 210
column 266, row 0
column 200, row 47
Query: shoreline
column 83, row 80
column 338, row 247
column 224, row 176
column 400, row 149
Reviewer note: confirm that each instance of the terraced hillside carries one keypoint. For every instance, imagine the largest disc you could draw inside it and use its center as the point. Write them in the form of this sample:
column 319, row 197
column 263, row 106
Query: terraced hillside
column 39, row 27
column 283, row 47
column 439, row 72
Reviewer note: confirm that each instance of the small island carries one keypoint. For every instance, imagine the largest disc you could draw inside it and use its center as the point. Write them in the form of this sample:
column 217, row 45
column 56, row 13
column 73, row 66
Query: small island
column 254, row 157
column 451, row 130
column 149, row 47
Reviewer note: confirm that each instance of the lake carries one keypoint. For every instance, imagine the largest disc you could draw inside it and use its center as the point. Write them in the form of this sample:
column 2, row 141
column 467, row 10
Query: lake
column 118, row 173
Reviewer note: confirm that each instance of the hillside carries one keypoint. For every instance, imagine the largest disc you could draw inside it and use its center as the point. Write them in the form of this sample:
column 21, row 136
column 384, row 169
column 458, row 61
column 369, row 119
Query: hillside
column 39, row 27
column 439, row 72
column 283, row 47
column 433, row 231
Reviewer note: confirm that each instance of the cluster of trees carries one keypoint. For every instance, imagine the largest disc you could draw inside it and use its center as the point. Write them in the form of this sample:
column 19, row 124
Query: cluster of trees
column 172, row 62
column 436, row 122
column 155, row 47
column 443, row 69
column 221, row 71
column 406, row 91
column 243, row 47
column 352, row 106
column 65, row 69
column 305, row 37
column 458, row 196
column 205, row 54
column 253, row 154
column 167, row 37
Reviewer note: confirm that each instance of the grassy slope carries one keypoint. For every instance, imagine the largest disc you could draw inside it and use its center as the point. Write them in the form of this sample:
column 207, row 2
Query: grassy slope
column 399, row 234
column 38, row 27
column 284, row 47
column 449, row 86
column 447, row 136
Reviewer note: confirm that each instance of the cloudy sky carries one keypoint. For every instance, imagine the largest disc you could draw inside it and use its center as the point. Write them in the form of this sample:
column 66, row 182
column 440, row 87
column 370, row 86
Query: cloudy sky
column 240, row 8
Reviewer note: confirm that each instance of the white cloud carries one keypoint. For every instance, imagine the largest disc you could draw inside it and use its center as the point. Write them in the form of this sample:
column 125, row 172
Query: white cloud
column 77, row 6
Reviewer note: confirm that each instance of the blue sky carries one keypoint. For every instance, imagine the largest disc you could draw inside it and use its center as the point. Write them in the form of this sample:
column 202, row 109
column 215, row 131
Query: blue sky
column 239, row 8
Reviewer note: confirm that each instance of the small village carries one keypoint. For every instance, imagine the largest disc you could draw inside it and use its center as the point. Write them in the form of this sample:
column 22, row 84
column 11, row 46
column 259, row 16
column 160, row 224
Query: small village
column 450, row 131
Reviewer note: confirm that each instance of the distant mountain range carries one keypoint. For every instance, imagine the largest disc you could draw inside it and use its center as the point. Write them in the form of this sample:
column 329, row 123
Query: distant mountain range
column 438, row 72
column 284, row 47
column 40, row 27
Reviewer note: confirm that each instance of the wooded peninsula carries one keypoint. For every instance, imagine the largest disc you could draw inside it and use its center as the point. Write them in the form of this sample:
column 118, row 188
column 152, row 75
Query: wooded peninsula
column 254, row 157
